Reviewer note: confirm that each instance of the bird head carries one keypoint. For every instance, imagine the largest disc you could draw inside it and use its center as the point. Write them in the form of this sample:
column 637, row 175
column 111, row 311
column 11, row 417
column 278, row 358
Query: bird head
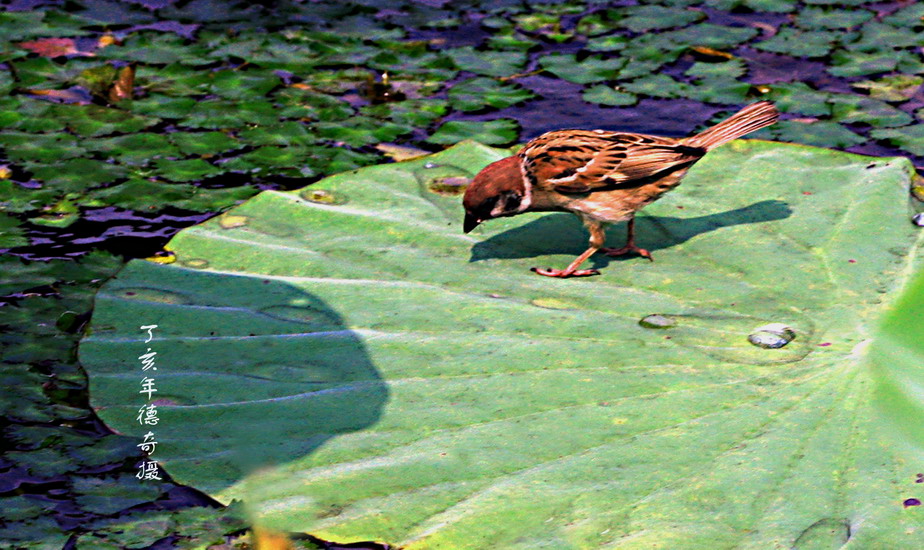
column 498, row 190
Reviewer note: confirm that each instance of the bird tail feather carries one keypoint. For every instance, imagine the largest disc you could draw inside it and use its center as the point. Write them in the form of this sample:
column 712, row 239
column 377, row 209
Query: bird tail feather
column 747, row 120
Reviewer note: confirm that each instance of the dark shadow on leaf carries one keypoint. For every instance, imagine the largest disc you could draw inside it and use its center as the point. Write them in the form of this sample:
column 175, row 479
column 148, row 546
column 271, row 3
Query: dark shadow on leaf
column 254, row 372
column 563, row 233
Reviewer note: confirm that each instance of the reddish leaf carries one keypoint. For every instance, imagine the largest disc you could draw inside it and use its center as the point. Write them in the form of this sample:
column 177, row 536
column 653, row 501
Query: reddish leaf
column 75, row 94
column 51, row 47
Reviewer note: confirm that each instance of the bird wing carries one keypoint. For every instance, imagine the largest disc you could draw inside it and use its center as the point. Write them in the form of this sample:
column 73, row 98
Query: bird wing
column 580, row 161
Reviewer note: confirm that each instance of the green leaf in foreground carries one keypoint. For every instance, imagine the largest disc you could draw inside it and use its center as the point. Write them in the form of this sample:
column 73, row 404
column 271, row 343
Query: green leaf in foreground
column 416, row 385
column 896, row 357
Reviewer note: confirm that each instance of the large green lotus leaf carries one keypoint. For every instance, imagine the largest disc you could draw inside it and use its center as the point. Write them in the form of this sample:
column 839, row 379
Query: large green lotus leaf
column 401, row 381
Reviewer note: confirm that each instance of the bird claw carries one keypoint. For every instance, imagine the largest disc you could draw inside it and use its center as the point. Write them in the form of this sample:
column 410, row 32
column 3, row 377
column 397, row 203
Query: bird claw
column 564, row 273
column 628, row 249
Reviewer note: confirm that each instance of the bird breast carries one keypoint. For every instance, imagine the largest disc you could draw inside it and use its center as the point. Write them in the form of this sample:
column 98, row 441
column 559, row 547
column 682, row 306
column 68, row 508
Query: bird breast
column 616, row 205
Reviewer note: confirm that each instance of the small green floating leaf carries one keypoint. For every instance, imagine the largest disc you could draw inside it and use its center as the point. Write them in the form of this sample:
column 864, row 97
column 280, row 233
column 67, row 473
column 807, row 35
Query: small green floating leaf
column 185, row 170
column 490, row 63
column 800, row 43
column 78, row 174
column 204, row 143
column 110, row 495
column 909, row 138
column 480, row 93
column 11, row 232
column 799, row 97
column 606, row 95
column 146, row 195
column 652, row 17
column 855, row 63
column 732, row 68
column 658, row 85
column 822, row 133
column 852, row 108
column 137, row 149
column 589, row 70
column 832, row 18
column 720, row 90
column 611, row 43
column 896, row 88
column 234, row 84
column 492, row 132
column 711, row 35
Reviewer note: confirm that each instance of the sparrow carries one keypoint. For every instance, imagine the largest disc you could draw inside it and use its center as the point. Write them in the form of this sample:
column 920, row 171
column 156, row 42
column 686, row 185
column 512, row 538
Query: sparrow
column 602, row 177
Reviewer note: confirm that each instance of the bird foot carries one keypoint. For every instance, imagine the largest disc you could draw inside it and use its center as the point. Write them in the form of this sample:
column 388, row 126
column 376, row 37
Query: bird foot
column 628, row 249
column 564, row 273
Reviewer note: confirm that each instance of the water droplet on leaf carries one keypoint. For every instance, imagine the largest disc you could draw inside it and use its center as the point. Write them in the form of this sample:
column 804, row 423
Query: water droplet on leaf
column 444, row 179
column 321, row 196
column 657, row 321
column 195, row 263
column 552, row 303
column 229, row 221
column 772, row 336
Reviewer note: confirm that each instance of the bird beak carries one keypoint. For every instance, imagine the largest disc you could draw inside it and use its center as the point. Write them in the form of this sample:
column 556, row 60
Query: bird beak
column 471, row 222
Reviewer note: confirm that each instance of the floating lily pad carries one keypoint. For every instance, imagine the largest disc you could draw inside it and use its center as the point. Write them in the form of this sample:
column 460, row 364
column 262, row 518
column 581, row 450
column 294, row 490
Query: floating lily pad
column 137, row 194
column 415, row 385
column 799, row 97
column 490, row 63
column 97, row 495
column 416, row 113
column 586, row 71
column 133, row 149
column 652, row 17
column 496, row 132
column 163, row 106
column 606, row 95
column 480, row 93
column 219, row 114
column 721, row 90
column 854, row 63
column 11, row 234
column 821, row 133
column 895, row 88
column 832, row 18
column 359, row 131
column 800, row 43
column 726, row 69
column 711, row 35
column 611, row 43
column 185, row 170
column 233, row 84
column 77, row 174
column 874, row 35
column 851, row 108
column 204, row 143
column 909, row 138
column 658, row 85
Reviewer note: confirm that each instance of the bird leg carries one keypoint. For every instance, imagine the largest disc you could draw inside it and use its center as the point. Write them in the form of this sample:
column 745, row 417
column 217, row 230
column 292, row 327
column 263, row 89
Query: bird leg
column 597, row 237
column 630, row 245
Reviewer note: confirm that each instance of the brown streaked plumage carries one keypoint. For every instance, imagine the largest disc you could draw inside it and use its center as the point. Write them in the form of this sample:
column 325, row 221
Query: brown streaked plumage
column 602, row 177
